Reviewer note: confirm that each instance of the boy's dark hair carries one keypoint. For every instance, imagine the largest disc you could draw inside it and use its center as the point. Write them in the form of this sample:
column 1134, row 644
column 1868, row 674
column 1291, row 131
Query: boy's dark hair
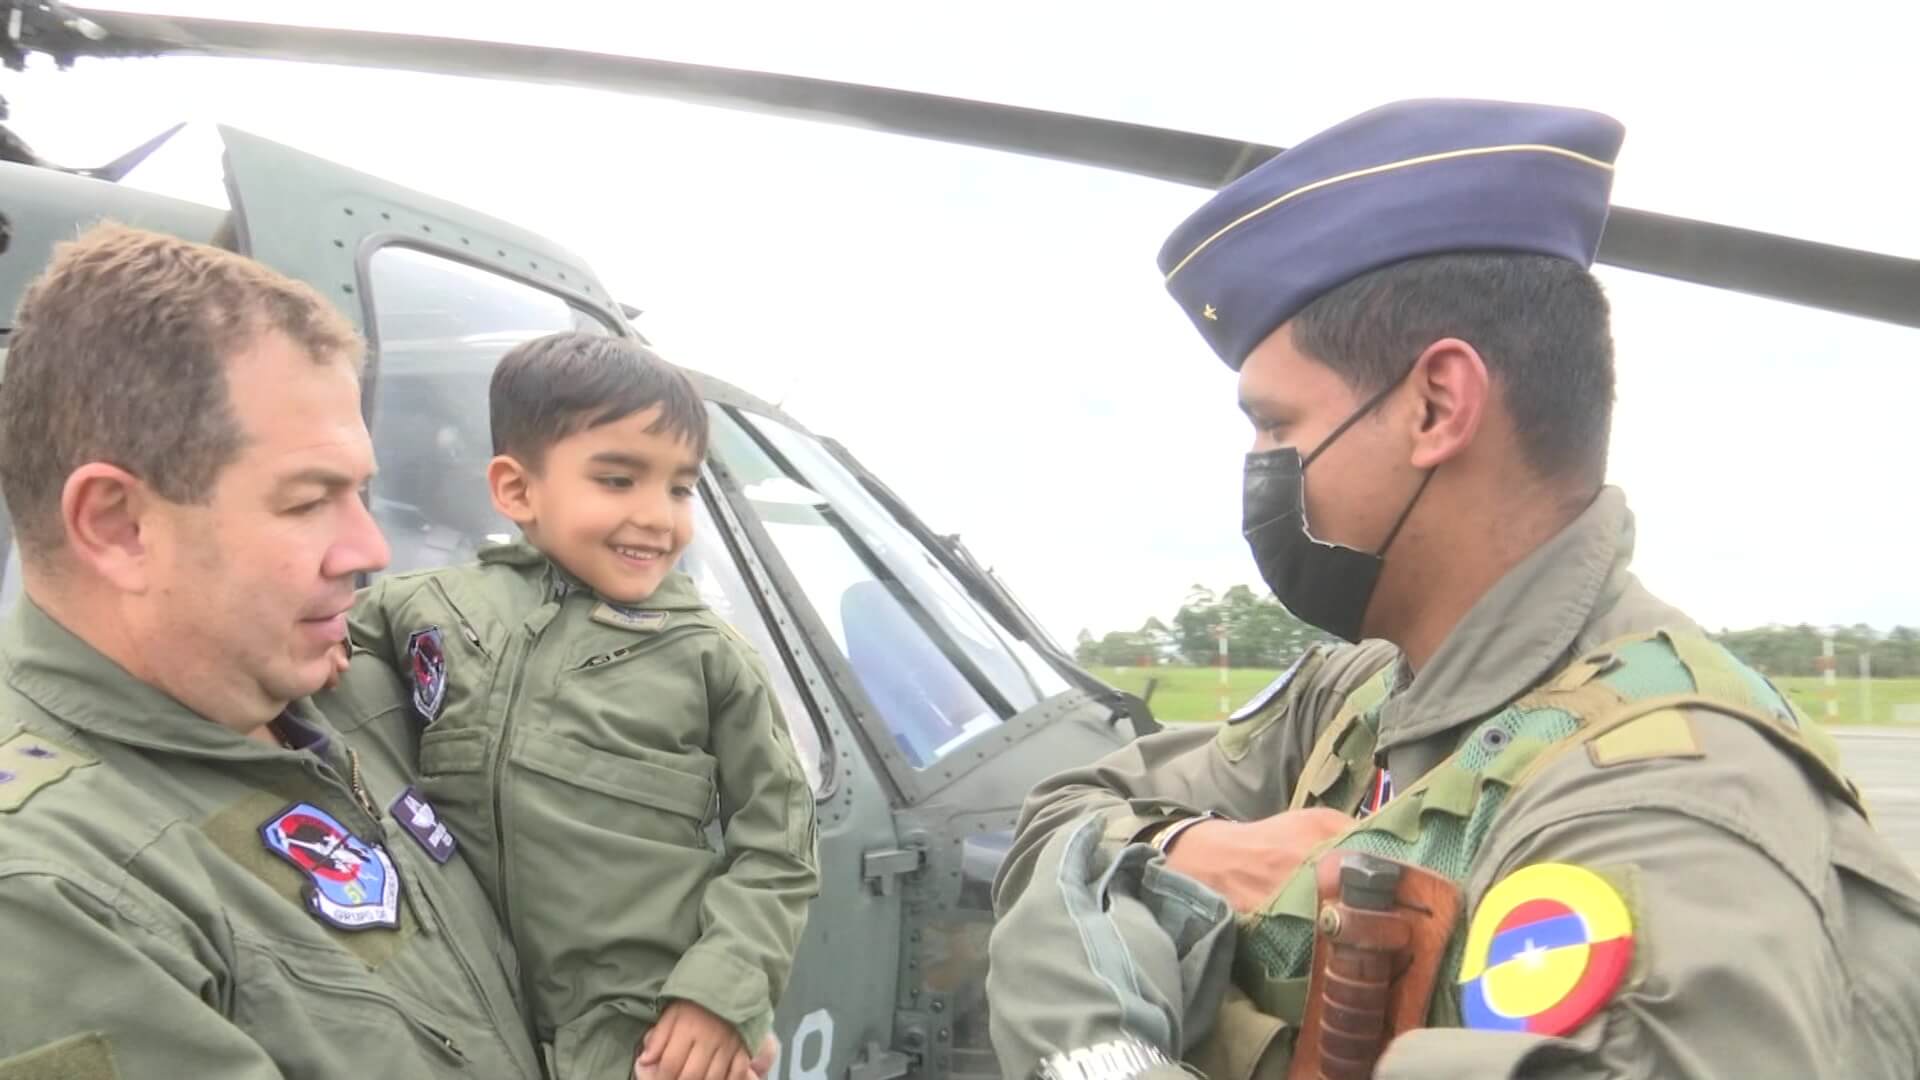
column 1540, row 323
column 554, row 386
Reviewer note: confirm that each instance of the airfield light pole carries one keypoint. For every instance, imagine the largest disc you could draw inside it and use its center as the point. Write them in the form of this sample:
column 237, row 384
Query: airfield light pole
column 1223, row 670
column 1827, row 664
column 1866, row 687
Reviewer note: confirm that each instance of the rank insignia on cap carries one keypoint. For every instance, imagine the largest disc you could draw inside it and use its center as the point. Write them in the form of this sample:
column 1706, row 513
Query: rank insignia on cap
column 624, row 618
column 416, row 815
column 1546, row 949
column 427, row 667
column 351, row 884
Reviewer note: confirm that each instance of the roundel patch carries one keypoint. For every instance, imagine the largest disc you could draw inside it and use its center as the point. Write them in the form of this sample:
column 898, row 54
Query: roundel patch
column 1547, row 947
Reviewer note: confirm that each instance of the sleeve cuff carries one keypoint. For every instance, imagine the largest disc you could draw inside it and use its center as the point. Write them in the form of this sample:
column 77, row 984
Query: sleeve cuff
column 727, row 987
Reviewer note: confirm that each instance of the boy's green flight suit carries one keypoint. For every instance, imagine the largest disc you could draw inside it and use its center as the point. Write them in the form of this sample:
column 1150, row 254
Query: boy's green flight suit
column 580, row 751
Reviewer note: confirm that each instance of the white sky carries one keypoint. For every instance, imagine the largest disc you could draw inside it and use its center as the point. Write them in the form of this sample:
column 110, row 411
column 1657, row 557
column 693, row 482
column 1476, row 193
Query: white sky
column 989, row 333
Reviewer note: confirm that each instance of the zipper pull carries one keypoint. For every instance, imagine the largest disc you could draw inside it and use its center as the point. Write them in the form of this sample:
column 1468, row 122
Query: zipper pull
column 359, row 789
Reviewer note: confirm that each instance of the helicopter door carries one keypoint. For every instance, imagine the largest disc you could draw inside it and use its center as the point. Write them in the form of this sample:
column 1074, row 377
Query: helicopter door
column 441, row 293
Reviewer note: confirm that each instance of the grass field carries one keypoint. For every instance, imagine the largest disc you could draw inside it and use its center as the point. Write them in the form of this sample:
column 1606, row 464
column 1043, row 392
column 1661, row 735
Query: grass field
column 1186, row 694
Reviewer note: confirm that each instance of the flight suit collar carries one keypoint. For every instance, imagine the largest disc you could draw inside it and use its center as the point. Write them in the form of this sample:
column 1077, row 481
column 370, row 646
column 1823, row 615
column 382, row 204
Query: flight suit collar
column 69, row 678
column 1522, row 630
column 677, row 591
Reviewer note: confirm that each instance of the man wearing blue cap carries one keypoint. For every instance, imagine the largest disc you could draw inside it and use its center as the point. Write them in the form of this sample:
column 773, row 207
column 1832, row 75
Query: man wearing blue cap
column 1529, row 820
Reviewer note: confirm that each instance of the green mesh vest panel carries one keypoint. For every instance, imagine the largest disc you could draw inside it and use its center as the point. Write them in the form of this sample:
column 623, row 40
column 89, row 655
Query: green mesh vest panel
column 1441, row 821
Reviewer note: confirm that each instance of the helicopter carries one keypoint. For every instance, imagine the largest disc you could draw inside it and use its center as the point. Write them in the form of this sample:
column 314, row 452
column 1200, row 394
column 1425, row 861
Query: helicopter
column 925, row 699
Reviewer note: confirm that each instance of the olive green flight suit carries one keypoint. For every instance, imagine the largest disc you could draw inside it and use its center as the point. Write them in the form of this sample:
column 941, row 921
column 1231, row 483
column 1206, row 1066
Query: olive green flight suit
column 1776, row 933
column 147, row 928
column 580, row 752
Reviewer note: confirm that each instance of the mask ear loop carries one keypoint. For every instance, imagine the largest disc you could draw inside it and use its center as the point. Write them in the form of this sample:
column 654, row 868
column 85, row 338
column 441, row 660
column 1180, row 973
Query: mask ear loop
column 1372, row 403
column 1407, row 513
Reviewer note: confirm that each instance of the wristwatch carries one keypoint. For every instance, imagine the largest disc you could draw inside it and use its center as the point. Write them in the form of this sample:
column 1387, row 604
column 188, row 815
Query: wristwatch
column 1163, row 840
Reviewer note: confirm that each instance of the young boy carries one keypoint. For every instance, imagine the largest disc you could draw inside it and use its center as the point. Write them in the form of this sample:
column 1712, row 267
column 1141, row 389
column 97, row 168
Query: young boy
column 586, row 716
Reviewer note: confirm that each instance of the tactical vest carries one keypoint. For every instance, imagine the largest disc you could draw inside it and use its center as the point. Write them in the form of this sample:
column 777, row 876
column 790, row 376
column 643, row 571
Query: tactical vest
column 1621, row 702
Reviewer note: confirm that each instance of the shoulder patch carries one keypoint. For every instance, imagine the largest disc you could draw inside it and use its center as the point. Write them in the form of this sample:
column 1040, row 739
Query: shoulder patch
column 29, row 763
column 1258, row 714
column 1664, row 733
column 427, row 671
column 1546, row 949
column 1272, row 690
column 620, row 618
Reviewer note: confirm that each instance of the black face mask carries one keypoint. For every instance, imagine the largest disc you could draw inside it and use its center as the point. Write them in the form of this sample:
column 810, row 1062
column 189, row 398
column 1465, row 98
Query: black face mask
column 1324, row 585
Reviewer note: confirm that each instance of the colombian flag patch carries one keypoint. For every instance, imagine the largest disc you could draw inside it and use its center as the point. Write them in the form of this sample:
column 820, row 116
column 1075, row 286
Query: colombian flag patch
column 1547, row 947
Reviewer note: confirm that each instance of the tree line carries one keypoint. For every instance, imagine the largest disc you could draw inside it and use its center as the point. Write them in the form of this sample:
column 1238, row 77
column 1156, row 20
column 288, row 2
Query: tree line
column 1261, row 634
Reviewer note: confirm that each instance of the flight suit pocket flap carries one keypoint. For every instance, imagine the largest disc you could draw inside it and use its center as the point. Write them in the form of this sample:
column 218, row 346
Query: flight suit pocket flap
column 660, row 785
column 453, row 751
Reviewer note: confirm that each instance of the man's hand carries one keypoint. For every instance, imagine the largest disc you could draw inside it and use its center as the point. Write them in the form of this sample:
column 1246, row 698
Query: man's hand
column 341, row 658
column 690, row 1043
column 1247, row 862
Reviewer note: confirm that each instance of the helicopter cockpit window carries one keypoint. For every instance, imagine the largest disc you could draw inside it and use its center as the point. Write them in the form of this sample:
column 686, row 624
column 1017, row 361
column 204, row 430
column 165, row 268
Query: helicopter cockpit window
column 439, row 326
column 932, row 666
column 711, row 566
column 1015, row 670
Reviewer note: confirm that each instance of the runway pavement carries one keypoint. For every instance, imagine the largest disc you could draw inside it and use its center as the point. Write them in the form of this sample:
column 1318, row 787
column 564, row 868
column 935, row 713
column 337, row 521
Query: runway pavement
column 1886, row 763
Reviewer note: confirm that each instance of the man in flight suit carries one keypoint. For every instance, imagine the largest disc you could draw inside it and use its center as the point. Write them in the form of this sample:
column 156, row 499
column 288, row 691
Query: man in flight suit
column 1658, row 869
column 201, row 875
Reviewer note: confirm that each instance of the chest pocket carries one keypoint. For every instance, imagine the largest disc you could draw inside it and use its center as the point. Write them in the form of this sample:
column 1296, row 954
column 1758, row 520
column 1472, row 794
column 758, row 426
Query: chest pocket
column 645, row 794
column 320, row 1013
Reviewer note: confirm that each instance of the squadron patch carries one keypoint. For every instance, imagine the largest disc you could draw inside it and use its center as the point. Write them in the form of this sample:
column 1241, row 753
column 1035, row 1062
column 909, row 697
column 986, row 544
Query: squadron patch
column 427, row 667
column 351, row 884
column 1546, row 949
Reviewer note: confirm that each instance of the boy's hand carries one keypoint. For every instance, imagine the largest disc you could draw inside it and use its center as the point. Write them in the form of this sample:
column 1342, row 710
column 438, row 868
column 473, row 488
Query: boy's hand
column 340, row 657
column 690, row 1043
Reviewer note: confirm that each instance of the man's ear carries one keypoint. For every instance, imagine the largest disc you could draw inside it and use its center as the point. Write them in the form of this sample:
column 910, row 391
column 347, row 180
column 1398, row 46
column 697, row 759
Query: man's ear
column 1452, row 393
column 508, row 480
column 108, row 515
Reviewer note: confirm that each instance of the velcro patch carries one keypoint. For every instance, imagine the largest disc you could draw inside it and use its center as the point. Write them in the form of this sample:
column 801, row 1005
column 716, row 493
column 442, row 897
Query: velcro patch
column 29, row 763
column 620, row 618
column 1665, row 733
column 86, row 1056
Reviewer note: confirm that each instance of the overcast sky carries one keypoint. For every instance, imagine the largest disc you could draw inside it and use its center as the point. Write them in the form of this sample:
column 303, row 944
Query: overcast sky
column 989, row 333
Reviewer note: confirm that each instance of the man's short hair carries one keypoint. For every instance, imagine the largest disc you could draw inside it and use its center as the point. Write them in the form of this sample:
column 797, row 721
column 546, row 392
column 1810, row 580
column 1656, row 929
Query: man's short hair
column 118, row 354
column 1540, row 323
column 551, row 387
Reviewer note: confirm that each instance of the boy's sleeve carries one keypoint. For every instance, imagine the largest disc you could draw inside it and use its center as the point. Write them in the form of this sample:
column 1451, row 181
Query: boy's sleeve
column 753, row 913
column 368, row 627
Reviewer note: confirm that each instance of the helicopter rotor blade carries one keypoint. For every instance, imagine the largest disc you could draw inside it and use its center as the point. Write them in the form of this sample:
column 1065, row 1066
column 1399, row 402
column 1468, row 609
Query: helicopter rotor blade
column 1845, row 280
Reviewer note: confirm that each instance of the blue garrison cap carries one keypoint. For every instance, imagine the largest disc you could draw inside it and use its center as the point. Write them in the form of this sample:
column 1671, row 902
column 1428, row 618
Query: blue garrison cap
column 1404, row 180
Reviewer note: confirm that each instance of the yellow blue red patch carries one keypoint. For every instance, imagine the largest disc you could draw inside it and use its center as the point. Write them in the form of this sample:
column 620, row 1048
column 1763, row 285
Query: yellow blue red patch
column 1547, row 948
